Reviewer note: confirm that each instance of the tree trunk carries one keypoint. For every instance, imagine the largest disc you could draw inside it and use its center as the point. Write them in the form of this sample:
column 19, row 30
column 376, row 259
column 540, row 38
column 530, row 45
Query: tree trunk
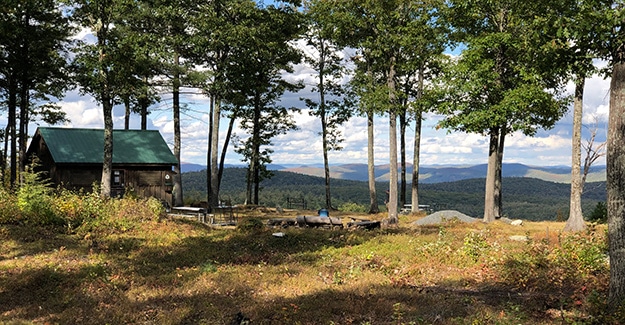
column 392, row 196
column 255, row 154
column 402, row 155
column 491, row 175
column 575, row 222
column 392, row 190
column 107, row 165
column 214, row 154
column 373, row 197
column 326, row 163
column 616, row 184
column 415, row 163
column 12, row 131
column 322, row 117
column 209, row 148
column 107, row 110
column 417, row 148
column 144, row 102
column 224, row 150
column 248, row 187
column 178, row 195
column 24, row 100
column 126, row 114
column 498, row 174
column 23, row 130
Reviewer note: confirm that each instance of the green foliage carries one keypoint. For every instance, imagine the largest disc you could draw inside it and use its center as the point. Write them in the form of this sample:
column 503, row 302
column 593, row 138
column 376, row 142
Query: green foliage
column 599, row 214
column 584, row 252
column 117, row 215
column 475, row 246
column 9, row 211
column 34, row 199
column 353, row 207
column 539, row 265
column 36, row 204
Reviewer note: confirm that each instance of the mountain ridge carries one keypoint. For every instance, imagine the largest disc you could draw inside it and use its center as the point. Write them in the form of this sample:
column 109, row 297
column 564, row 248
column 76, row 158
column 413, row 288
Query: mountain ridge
column 430, row 174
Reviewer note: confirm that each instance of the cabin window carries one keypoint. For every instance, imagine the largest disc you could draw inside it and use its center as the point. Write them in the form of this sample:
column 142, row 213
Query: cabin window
column 118, row 178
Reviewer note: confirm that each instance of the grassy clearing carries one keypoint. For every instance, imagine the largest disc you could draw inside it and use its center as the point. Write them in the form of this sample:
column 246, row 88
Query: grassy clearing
column 174, row 271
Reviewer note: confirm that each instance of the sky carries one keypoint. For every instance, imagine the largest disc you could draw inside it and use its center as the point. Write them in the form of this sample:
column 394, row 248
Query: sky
column 303, row 146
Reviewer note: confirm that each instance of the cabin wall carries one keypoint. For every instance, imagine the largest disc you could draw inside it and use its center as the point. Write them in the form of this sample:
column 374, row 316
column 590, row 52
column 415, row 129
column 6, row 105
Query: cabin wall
column 153, row 182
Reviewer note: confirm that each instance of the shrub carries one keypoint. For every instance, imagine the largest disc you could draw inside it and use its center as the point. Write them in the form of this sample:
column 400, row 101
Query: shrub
column 353, row 207
column 9, row 210
column 118, row 215
column 34, row 199
column 599, row 214
column 475, row 246
column 585, row 253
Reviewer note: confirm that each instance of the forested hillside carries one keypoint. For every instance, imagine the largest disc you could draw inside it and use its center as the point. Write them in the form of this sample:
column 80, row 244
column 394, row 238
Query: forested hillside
column 525, row 198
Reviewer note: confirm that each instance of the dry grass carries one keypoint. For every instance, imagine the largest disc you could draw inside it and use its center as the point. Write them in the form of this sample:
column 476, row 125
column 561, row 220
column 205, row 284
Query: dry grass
column 176, row 271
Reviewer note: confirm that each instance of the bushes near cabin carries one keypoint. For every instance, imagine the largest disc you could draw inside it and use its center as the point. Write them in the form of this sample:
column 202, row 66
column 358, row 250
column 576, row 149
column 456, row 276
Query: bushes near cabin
column 36, row 204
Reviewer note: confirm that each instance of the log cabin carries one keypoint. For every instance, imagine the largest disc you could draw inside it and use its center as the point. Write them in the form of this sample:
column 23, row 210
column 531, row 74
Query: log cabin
column 72, row 158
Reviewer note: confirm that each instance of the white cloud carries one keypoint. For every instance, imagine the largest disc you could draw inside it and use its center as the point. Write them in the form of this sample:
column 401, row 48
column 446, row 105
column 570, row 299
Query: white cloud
column 550, row 147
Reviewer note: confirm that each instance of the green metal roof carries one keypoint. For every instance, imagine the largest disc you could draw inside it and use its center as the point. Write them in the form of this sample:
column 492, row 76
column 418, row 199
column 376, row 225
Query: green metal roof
column 86, row 146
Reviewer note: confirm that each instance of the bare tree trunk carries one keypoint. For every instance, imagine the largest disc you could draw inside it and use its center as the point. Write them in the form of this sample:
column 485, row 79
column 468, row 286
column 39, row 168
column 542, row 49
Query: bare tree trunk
column 373, row 198
column 615, row 184
column 402, row 155
column 126, row 114
column 214, row 154
column 107, row 166
column 575, row 222
column 23, row 130
column 392, row 190
column 392, row 197
column 491, row 175
column 107, row 110
column 254, row 172
column 498, row 174
column 224, row 150
column 144, row 103
column 249, row 185
column 178, row 195
column 415, row 164
column 12, row 134
column 324, row 123
column 24, row 102
column 326, row 163
column 209, row 148
column 417, row 148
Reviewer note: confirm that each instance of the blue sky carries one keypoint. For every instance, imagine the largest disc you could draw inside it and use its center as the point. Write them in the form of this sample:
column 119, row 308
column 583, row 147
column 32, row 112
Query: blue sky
column 438, row 147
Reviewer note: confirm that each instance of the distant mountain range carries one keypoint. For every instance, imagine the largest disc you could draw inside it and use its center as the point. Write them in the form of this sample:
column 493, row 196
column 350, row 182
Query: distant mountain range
column 432, row 174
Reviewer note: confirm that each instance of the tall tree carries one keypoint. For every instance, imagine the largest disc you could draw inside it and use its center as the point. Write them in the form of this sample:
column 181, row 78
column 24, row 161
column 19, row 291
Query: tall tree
column 376, row 29
column 333, row 107
column 219, row 52
column 574, row 29
column 265, row 56
column 97, row 68
column 34, row 39
column 144, row 57
column 173, row 31
column 611, row 44
column 425, row 37
column 502, row 81
column 615, row 175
